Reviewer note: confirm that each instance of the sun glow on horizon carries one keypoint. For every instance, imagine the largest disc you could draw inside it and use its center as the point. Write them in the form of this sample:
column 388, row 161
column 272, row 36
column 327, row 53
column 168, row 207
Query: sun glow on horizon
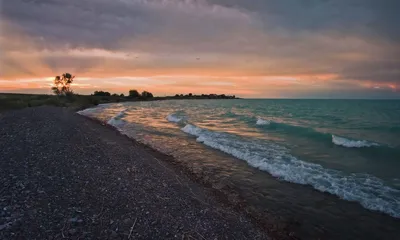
column 190, row 46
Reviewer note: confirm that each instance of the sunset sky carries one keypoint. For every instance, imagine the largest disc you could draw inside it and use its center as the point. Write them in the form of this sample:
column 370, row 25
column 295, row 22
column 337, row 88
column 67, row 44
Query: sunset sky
column 251, row 48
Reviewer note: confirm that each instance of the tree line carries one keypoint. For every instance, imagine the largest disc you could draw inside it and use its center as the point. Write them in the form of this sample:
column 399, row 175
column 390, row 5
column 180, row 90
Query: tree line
column 133, row 93
column 204, row 96
column 62, row 87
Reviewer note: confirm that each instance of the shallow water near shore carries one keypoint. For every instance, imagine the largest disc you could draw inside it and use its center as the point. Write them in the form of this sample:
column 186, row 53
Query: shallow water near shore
column 330, row 166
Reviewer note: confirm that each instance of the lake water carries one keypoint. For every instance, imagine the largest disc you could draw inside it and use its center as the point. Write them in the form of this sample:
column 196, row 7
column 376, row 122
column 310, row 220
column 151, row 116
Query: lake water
column 330, row 166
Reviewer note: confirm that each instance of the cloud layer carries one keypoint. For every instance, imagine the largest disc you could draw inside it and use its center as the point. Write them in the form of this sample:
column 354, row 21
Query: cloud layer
column 248, row 46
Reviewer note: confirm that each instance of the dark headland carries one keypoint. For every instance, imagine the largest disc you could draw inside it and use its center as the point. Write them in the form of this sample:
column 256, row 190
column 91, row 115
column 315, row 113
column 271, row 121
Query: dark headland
column 68, row 177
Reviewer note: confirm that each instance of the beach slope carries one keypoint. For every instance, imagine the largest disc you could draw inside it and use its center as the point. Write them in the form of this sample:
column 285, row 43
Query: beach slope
column 65, row 176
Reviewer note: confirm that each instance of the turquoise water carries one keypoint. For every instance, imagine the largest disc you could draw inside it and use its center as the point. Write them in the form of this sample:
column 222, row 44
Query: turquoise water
column 347, row 148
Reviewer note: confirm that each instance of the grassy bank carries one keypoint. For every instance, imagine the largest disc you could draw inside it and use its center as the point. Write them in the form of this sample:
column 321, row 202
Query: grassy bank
column 9, row 101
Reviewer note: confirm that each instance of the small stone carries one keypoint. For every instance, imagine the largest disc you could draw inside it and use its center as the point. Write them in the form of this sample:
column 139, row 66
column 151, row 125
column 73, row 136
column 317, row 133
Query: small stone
column 3, row 213
column 128, row 221
column 75, row 220
column 78, row 211
column 154, row 223
column 113, row 234
column 72, row 231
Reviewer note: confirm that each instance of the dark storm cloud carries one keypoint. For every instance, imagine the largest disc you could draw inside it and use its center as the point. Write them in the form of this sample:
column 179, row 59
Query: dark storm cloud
column 355, row 39
column 107, row 23
column 376, row 71
column 77, row 23
column 370, row 17
column 102, row 22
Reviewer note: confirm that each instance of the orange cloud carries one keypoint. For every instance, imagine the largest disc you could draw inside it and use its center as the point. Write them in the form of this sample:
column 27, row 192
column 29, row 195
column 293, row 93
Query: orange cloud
column 247, row 62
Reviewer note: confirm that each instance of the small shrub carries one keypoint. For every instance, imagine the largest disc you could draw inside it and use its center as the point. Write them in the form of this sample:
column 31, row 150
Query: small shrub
column 94, row 101
column 134, row 93
column 101, row 93
column 146, row 94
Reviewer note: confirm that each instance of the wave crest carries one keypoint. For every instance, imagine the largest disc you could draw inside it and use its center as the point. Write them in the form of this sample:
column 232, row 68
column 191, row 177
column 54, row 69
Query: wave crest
column 89, row 111
column 174, row 118
column 117, row 121
column 261, row 121
column 369, row 191
column 344, row 142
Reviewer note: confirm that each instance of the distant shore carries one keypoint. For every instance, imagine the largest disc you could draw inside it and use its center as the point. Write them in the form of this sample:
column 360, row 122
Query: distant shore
column 79, row 179
column 9, row 101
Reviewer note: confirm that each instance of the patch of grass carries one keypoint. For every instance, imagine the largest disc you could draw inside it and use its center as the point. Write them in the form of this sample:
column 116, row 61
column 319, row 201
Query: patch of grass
column 9, row 101
column 18, row 101
column 79, row 102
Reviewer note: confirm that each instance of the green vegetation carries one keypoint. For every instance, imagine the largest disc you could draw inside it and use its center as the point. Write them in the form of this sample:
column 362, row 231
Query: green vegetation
column 10, row 101
column 62, row 85
column 133, row 93
column 146, row 95
column 101, row 93
column 16, row 101
column 64, row 97
column 203, row 96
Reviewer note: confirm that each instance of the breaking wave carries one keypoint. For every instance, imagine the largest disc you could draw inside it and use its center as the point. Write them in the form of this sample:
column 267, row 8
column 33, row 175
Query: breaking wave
column 261, row 121
column 316, row 135
column 89, row 111
column 369, row 191
column 117, row 121
column 341, row 141
column 174, row 118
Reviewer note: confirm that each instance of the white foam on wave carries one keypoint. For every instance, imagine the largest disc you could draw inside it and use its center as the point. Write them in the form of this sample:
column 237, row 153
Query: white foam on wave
column 369, row 191
column 261, row 121
column 120, row 114
column 88, row 111
column 341, row 141
column 174, row 118
column 117, row 121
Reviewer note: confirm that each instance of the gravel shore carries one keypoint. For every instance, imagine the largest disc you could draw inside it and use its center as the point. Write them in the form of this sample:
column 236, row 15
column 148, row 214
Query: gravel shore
column 67, row 177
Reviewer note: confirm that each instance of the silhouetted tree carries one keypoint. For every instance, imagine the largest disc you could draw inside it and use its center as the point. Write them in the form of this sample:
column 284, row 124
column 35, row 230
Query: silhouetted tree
column 134, row 93
column 101, row 93
column 190, row 94
column 115, row 95
column 146, row 94
column 62, row 84
column 122, row 95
